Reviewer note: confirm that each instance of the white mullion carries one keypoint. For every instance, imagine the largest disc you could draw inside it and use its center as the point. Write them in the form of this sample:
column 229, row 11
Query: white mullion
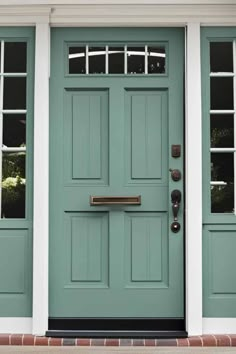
column 222, row 111
column 14, row 74
column 146, row 60
column 13, row 149
column 14, row 111
column 1, row 119
column 87, row 59
column 223, row 149
column 234, row 88
column 218, row 183
column 107, row 64
column 223, row 74
column 126, row 60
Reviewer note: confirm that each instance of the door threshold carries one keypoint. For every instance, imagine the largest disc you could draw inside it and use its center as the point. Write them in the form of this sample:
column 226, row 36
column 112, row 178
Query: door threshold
column 116, row 334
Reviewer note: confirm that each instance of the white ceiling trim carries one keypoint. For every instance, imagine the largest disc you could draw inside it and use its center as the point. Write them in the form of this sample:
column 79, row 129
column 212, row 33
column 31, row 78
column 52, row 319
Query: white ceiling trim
column 115, row 2
column 119, row 15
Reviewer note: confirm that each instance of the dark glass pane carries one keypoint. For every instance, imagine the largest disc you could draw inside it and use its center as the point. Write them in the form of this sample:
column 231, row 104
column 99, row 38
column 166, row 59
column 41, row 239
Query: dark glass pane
column 136, row 60
column 14, row 129
column 97, row 60
column 14, row 93
column 13, row 185
column 221, row 54
column 77, row 62
column 222, row 93
column 222, row 130
column 156, row 60
column 222, row 167
column 222, row 198
column 116, row 60
column 15, row 57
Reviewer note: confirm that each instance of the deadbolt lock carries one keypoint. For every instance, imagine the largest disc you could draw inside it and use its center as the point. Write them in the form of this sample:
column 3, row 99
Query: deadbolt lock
column 175, row 175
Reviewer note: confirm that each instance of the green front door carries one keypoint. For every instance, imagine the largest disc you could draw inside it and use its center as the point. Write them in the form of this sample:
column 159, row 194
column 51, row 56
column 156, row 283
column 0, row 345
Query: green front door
column 116, row 110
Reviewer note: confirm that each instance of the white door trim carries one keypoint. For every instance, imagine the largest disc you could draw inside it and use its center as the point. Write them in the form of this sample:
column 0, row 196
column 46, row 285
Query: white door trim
column 41, row 179
column 219, row 325
column 16, row 325
column 193, row 155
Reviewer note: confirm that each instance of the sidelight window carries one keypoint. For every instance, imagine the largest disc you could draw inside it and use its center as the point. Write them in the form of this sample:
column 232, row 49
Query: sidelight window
column 13, row 120
column 223, row 125
column 117, row 59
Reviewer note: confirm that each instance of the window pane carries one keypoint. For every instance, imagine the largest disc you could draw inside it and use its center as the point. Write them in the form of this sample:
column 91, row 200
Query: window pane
column 13, row 185
column 221, row 93
column 222, row 198
column 156, row 60
column 97, row 60
column 14, row 93
column 15, row 57
column 222, row 170
column 136, row 60
column 222, row 167
column 222, row 130
column 221, row 57
column 77, row 62
column 14, row 130
column 116, row 60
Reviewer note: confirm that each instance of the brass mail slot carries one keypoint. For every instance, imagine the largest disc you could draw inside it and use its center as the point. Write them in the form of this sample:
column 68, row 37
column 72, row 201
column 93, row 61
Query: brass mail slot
column 111, row 200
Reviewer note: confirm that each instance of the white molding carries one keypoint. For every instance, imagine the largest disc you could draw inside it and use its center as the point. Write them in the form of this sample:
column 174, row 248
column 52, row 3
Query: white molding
column 118, row 13
column 13, row 325
column 193, row 155
column 23, row 15
column 142, row 15
column 41, row 180
column 219, row 325
column 117, row 2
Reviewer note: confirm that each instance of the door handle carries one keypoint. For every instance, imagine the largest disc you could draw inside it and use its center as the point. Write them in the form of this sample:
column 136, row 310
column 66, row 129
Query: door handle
column 115, row 200
column 175, row 199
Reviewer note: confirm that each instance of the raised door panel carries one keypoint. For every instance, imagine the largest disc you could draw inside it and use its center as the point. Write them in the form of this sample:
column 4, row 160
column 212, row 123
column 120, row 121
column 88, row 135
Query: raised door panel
column 86, row 239
column 86, row 136
column 146, row 136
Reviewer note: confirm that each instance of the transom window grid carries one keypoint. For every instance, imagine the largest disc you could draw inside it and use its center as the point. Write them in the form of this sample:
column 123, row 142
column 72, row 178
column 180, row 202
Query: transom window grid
column 227, row 113
column 6, row 149
column 147, row 52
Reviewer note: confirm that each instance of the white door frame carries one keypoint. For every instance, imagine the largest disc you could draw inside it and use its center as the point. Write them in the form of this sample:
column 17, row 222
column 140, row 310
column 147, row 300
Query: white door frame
column 139, row 13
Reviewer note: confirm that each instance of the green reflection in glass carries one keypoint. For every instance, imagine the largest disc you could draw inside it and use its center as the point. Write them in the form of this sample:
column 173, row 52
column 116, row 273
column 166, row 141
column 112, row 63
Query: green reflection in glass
column 13, row 185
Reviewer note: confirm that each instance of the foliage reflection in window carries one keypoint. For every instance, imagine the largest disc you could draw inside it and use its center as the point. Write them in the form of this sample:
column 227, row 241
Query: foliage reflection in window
column 13, row 113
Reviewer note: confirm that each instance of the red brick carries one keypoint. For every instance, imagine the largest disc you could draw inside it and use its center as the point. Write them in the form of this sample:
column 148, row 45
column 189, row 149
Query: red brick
column 28, row 339
column 97, row 342
column 166, row 343
column 16, row 339
column 223, row 341
column 125, row 342
column 41, row 341
column 55, row 342
column 182, row 342
column 149, row 342
column 4, row 339
column 195, row 342
column 83, row 342
column 138, row 342
column 233, row 340
column 209, row 341
column 112, row 342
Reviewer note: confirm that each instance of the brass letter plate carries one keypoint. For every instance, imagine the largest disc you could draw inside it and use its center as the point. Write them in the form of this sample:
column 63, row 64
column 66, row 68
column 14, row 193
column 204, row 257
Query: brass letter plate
column 113, row 200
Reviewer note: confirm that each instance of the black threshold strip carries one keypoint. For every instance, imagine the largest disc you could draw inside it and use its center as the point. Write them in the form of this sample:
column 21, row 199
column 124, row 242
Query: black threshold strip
column 117, row 328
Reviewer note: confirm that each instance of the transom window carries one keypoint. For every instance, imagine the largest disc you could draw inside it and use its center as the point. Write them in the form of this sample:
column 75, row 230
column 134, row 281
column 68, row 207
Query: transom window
column 13, row 113
column 117, row 59
column 222, row 125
